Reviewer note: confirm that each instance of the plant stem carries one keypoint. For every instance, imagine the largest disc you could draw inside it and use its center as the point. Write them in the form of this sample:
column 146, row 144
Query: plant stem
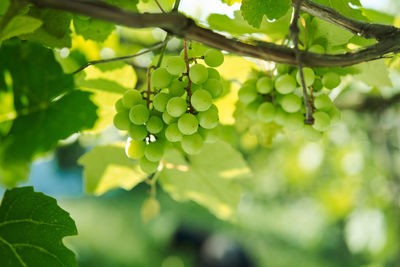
column 189, row 91
column 149, row 85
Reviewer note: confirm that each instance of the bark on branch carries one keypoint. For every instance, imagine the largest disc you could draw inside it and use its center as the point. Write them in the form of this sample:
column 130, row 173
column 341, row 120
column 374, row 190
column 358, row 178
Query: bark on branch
column 184, row 27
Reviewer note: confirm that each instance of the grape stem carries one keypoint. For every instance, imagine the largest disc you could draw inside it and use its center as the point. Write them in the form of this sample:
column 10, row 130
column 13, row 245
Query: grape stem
column 294, row 32
column 188, row 88
column 149, row 85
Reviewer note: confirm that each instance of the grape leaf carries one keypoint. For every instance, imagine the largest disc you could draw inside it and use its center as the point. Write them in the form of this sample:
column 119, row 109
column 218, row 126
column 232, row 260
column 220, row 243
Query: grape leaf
column 4, row 4
column 343, row 7
column 231, row 2
column 333, row 34
column 253, row 11
column 32, row 226
column 374, row 73
column 92, row 29
column 212, row 178
column 107, row 168
column 19, row 25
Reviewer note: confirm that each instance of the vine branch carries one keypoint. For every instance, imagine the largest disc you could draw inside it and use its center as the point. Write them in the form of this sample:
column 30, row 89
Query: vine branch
column 179, row 25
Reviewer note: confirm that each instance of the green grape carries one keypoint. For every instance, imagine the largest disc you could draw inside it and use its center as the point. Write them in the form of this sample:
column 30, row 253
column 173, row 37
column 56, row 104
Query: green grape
column 251, row 110
column 214, row 86
column 331, row 80
column 154, row 125
column 208, row 119
column 264, row 85
column 131, row 98
column 213, row 74
column 319, row 49
column 290, row 103
column 160, row 101
column 201, row 100
column 154, row 151
column 188, row 124
column 323, row 102
column 285, row 84
column 194, row 87
column 172, row 133
column 311, row 134
column 280, row 116
column 335, row 115
column 282, row 68
column 192, row 144
column 139, row 114
column 148, row 166
column 247, row 94
column 137, row 132
column 317, row 85
column 213, row 57
column 321, row 121
column 294, row 121
column 135, row 149
column 160, row 78
column 176, row 106
column 209, row 135
column 168, row 119
column 119, row 106
column 175, row 65
column 177, row 88
column 121, row 120
column 266, row 112
column 309, row 76
column 214, row 107
column 198, row 74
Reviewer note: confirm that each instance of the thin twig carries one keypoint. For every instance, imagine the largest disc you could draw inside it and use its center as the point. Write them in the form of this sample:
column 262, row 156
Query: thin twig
column 94, row 62
column 149, row 85
column 159, row 6
column 294, row 32
column 189, row 91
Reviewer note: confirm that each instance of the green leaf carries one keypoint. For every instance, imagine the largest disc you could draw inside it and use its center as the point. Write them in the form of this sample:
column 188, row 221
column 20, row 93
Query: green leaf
column 55, row 31
column 4, row 4
column 32, row 226
column 253, row 11
column 374, row 73
column 212, row 178
column 333, row 34
column 231, row 2
column 343, row 7
column 238, row 25
column 92, row 29
column 19, row 25
column 107, row 168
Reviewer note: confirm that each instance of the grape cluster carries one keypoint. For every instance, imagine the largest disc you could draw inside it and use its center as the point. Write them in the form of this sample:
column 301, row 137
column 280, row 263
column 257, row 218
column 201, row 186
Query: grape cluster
column 278, row 97
column 178, row 108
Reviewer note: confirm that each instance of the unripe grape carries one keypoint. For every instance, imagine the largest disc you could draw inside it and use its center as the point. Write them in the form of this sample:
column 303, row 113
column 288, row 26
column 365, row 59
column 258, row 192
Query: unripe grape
column 290, row 103
column 148, row 166
column 121, row 120
column 139, row 114
column 264, row 85
column 266, row 112
column 201, row 100
column 176, row 106
column 175, row 65
column 309, row 76
column 311, row 134
column 321, row 121
column 323, row 102
column 213, row 57
column 177, row 88
column 198, row 74
column 192, row 144
column 251, row 110
column 154, row 151
column 137, row 132
column 213, row 86
column 209, row 135
column 319, row 49
column 335, row 115
column 285, row 84
column 294, row 121
column 188, row 124
column 131, row 98
column 247, row 94
column 317, row 85
column 119, row 106
column 172, row 133
column 213, row 74
column 135, row 149
column 331, row 80
column 208, row 119
column 168, row 119
column 282, row 68
column 280, row 116
column 160, row 78
column 154, row 125
column 160, row 101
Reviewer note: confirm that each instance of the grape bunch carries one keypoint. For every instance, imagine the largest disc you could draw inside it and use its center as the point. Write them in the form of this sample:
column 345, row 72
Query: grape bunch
column 177, row 108
column 278, row 97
